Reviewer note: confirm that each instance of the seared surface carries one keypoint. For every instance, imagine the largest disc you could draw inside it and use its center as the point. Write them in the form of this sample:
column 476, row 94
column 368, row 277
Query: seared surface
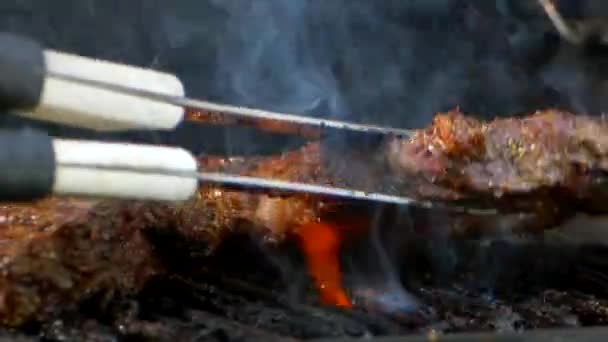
column 548, row 165
column 545, row 154
column 539, row 170
column 57, row 252
column 221, row 210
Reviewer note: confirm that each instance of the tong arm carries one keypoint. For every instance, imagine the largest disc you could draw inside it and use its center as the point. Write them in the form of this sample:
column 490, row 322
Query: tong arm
column 35, row 165
column 49, row 85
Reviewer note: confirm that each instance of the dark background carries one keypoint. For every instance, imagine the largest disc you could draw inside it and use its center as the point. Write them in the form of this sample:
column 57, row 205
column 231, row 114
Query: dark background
column 391, row 62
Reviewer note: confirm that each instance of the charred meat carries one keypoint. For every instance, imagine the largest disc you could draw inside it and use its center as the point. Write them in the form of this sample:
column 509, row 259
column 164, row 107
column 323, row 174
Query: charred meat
column 526, row 161
column 58, row 251
column 540, row 169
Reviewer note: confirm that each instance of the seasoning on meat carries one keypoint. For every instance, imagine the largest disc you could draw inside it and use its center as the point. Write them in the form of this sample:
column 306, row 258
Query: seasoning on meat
column 459, row 157
column 58, row 251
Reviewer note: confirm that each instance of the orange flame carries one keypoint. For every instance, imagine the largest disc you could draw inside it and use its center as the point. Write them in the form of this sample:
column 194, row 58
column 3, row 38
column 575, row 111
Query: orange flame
column 321, row 244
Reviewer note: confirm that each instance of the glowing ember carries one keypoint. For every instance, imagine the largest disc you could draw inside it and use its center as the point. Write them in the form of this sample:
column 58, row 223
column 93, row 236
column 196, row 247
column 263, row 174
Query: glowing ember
column 321, row 244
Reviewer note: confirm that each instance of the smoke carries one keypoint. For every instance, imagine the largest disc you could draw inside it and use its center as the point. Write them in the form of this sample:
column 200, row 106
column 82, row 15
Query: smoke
column 377, row 283
column 383, row 62
column 389, row 62
column 268, row 58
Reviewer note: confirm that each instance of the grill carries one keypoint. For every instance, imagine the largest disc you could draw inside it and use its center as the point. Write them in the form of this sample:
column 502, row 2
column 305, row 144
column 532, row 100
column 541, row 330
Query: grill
column 243, row 294
column 522, row 290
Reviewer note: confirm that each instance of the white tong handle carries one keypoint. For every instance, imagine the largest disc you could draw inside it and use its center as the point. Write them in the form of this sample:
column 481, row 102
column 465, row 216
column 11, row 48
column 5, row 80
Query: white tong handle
column 118, row 170
column 49, row 85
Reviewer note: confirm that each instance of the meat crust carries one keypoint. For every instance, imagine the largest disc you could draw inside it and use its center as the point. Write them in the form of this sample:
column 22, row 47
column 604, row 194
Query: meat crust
column 538, row 170
column 57, row 251
column 525, row 161
column 223, row 211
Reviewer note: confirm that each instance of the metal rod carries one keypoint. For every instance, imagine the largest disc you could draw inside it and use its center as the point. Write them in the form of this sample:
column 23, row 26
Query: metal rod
column 259, row 118
column 248, row 183
column 569, row 33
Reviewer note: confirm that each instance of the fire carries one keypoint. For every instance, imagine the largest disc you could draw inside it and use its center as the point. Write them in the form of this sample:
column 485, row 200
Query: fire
column 321, row 244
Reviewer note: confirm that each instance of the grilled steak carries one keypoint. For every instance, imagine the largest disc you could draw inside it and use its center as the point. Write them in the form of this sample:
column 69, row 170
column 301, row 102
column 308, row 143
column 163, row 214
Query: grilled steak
column 546, row 157
column 56, row 252
column 540, row 170
column 223, row 208
column 273, row 215
column 59, row 251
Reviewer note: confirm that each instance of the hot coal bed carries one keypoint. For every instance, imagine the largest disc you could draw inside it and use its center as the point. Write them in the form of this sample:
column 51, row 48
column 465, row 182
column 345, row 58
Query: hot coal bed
column 242, row 294
column 390, row 62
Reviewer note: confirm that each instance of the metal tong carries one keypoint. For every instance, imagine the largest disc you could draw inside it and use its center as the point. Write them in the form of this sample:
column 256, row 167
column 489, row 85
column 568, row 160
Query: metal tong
column 579, row 31
column 50, row 85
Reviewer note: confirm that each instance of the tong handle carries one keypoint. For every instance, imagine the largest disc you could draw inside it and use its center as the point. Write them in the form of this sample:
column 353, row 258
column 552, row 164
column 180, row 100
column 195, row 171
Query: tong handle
column 50, row 85
column 22, row 72
column 27, row 165
column 33, row 165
